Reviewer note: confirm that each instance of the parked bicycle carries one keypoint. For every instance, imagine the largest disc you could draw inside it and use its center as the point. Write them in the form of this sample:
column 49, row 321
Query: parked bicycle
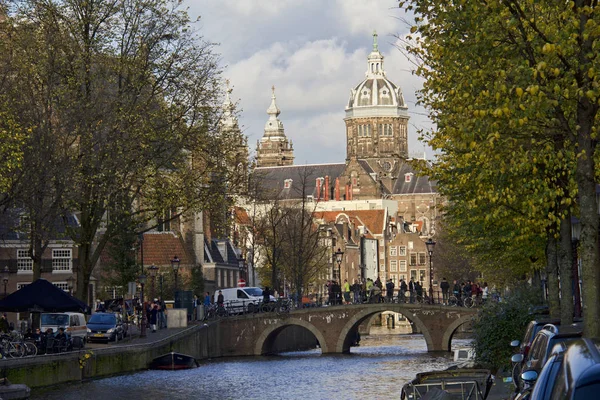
column 215, row 311
column 11, row 347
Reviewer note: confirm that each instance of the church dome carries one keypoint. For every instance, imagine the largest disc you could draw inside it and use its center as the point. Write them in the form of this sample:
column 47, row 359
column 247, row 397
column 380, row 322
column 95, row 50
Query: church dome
column 376, row 95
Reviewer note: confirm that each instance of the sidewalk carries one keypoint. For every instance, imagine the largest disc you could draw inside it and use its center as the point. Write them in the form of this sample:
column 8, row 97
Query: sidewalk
column 502, row 388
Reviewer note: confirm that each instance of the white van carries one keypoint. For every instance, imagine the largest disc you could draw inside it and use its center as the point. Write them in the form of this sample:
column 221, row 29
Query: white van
column 73, row 323
column 242, row 299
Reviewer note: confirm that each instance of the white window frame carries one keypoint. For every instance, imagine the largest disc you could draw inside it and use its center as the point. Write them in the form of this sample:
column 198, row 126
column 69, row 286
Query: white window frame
column 24, row 262
column 382, row 267
column 393, row 265
column 422, row 257
column 402, row 251
column 402, row 265
column 393, row 251
column 62, row 260
column 64, row 286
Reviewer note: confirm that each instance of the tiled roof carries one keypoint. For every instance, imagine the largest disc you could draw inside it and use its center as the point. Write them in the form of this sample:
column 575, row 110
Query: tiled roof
column 213, row 254
column 161, row 247
column 272, row 179
column 417, row 184
column 241, row 216
column 373, row 220
column 9, row 226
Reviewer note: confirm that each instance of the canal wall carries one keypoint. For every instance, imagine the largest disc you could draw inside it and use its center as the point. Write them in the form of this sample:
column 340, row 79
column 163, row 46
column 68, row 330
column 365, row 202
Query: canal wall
column 199, row 341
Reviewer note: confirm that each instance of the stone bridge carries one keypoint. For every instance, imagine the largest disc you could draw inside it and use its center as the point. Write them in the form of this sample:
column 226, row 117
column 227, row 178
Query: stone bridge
column 336, row 327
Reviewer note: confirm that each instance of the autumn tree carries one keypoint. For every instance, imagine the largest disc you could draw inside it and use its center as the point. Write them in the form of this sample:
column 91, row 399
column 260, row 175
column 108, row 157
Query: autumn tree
column 134, row 98
column 512, row 87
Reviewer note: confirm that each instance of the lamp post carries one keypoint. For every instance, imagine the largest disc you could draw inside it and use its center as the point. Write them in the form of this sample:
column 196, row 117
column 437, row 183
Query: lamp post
column 142, row 280
column 241, row 267
column 71, row 284
column 152, row 270
column 575, row 233
column 5, row 274
column 339, row 256
column 430, row 245
column 175, row 266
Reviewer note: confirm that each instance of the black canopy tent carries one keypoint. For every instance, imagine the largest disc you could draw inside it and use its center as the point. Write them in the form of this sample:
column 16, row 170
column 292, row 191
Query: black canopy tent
column 41, row 296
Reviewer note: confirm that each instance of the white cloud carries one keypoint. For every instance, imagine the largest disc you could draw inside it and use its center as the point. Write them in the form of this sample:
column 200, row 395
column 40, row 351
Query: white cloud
column 314, row 52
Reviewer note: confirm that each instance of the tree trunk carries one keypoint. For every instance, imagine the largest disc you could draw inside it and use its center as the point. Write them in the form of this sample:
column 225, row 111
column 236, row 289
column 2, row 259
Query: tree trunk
column 590, row 259
column 551, row 273
column 565, row 261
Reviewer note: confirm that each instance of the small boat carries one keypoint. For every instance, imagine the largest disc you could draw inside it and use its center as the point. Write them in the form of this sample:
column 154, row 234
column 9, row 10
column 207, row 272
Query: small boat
column 466, row 384
column 172, row 361
column 13, row 391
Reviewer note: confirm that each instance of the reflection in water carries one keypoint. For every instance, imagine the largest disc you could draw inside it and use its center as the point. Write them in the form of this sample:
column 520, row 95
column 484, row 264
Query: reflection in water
column 376, row 369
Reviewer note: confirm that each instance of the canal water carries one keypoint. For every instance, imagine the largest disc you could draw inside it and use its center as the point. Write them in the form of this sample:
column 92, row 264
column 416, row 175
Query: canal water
column 376, row 369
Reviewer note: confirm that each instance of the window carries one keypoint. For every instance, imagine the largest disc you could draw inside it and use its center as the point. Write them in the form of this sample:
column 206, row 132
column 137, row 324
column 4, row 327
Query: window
column 62, row 260
column 421, row 258
column 394, row 278
column 393, row 265
column 393, row 251
column 413, row 274
column 402, row 250
column 402, row 265
column 382, row 267
column 62, row 286
column 413, row 259
column 364, row 130
column 403, row 276
column 241, row 294
column 408, row 177
column 421, row 275
column 24, row 262
column 385, row 130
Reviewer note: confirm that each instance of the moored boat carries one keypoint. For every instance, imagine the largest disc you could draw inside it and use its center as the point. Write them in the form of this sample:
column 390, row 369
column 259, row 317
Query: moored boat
column 13, row 391
column 172, row 361
column 471, row 384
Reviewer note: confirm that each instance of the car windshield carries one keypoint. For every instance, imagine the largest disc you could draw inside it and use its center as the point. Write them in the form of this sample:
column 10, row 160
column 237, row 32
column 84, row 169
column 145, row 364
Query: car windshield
column 254, row 291
column 102, row 319
column 55, row 319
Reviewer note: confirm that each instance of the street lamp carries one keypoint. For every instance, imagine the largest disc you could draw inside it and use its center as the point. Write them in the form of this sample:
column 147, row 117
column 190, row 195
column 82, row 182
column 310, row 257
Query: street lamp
column 152, row 270
column 339, row 254
column 175, row 265
column 71, row 284
column 430, row 244
column 241, row 267
column 5, row 278
column 142, row 280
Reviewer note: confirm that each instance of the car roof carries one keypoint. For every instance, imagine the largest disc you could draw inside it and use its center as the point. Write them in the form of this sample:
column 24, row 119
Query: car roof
column 583, row 361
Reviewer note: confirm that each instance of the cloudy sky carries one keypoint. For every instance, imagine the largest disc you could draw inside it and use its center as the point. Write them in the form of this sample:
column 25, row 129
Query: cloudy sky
column 314, row 52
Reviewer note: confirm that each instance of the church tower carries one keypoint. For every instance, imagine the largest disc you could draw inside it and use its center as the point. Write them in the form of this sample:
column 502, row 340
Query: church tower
column 274, row 149
column 377, row 121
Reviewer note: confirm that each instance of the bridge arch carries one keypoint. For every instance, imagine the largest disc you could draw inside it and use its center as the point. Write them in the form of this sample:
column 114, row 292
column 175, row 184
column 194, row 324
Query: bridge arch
column 447, row 338
column 345, row 338
column 269, row 334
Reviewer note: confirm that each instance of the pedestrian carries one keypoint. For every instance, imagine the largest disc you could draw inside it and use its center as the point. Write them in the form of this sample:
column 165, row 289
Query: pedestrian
column 329, row 287
column 485, row 292
column 3, row 323
column 346, row 291
column 196, row 304
column 411, row 289
column 154, row 317
column 221, row 299
column 368, row 289
column 389, row 287
column 445, row 286
column 356, row 291
column 403, row 290
column 456, row 290
column 206, row 301
column 419, row 290
column 162, row 313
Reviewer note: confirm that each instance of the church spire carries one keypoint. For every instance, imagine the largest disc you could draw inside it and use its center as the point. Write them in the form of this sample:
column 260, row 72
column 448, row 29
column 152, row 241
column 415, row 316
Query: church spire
column 274, row 148
column 228, row 120
column 375, row 47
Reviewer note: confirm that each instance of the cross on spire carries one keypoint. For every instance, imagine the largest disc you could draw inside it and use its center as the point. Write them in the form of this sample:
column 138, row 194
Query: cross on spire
column 375, row 47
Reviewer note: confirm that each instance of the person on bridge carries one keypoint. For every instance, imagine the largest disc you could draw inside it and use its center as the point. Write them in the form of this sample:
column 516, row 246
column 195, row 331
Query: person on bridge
column 346, row 291
column 266, row 295
column 403, row 289
column 221, row 299
column 445, row 286
column 389, row 287
column 368, row 288
column 411, row 288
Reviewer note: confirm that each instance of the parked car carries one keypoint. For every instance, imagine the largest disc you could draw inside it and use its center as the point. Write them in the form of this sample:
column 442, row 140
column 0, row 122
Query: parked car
column 541, row 347
column 579, row 376
column 533, row 328
column 106, row 327
column 544, row 383
column 72, row 322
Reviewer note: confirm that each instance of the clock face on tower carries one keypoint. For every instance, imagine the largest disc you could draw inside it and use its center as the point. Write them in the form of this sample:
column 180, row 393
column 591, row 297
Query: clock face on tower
column 387, row 166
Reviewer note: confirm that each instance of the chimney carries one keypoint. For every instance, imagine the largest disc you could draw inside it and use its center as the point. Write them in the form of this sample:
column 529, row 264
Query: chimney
column 318, row 185
column 326, row 189
column 337, row 189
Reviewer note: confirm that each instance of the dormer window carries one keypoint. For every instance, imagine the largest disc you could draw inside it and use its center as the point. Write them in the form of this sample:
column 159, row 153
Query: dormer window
column 408, row 177
column 287, row 183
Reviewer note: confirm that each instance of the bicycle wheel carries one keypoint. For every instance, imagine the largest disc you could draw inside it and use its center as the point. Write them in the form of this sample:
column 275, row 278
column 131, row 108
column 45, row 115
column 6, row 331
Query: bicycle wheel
column 468, row 302
column 419, row 299
column 16, row 350
column 30, row 349
column 452, row 301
